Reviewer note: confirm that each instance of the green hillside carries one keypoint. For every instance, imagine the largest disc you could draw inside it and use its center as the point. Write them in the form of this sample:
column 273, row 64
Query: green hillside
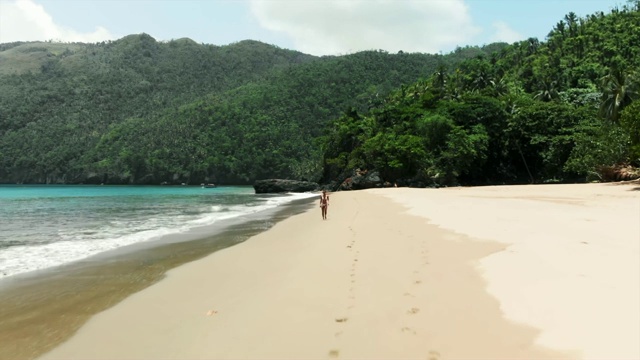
column 140, row 111
column 555, row 111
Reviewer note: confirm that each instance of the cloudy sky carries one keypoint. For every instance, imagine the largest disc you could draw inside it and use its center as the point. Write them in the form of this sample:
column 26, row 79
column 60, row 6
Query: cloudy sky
column 318, row 27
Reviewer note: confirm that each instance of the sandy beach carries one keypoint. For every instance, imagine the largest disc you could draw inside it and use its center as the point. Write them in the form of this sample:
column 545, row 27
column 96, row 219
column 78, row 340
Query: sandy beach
column 504, row 272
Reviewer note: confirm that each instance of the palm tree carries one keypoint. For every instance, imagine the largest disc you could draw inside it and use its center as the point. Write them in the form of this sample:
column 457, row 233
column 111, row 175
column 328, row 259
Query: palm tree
column 440, row 78
column 572, row 22
column 454, row 86
column 481, row 80
column 499, row 87
column 548, row 90
column 619, row 89
column 532, row 44
column 560, row 28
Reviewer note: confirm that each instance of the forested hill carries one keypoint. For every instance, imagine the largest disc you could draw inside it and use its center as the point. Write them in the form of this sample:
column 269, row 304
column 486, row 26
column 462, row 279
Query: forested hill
column 560, row 110
column 137, row 110
column 145, row 112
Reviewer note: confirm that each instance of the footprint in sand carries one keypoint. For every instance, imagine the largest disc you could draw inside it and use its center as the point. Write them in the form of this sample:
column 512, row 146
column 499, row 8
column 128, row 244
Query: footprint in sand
column 408, row 330
column 413, row 311
column 211, row 312
column 341, row 320
column 334, row 353
column 418, row 282
column 434, row 355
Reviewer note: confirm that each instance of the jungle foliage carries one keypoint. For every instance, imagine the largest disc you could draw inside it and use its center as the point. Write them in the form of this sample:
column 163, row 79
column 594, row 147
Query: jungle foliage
column 140, row 111
column 533, row 112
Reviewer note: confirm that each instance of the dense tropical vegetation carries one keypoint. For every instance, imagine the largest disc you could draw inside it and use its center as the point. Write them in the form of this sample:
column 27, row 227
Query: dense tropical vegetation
column 140, row 111
column 561, row 110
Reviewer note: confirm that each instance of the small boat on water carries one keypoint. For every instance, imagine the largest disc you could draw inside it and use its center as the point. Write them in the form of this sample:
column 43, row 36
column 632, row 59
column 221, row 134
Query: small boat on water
column 208, row 186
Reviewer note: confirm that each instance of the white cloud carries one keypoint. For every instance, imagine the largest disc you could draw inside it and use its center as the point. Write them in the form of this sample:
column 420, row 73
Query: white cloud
column 332, row 27
column 24, row 20
column 504, row 33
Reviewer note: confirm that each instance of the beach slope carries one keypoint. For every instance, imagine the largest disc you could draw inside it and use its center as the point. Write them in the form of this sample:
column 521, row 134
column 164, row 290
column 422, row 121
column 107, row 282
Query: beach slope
column 496, row 272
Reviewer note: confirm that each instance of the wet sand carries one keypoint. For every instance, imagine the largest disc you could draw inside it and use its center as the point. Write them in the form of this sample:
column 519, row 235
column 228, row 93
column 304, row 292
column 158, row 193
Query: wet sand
column 473, row 273
column 42, row 310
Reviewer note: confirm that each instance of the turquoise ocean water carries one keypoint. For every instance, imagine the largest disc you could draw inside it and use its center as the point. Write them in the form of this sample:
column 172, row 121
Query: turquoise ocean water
column 43, row 226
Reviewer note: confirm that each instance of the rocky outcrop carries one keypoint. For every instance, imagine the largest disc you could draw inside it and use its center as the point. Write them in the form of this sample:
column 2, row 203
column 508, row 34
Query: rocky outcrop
column 282, row 185
column 362, row 180
column 618, row 173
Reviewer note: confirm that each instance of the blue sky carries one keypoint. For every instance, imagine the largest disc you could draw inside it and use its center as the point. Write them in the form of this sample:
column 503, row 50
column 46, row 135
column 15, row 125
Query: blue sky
column 318, row 27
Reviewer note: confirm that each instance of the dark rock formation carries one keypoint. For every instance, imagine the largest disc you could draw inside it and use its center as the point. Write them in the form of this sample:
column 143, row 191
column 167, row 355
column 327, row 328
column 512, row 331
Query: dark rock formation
column 282, row 185
column 362, row 180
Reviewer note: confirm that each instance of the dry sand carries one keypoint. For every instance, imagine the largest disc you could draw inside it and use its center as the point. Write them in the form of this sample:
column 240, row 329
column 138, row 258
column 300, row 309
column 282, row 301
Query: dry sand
column 373, row 282
column 572, row 265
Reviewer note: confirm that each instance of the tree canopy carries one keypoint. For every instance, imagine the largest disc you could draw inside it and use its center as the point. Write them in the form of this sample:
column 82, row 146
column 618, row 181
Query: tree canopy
column 145, row 112
column 140, row 111
column 531, row 112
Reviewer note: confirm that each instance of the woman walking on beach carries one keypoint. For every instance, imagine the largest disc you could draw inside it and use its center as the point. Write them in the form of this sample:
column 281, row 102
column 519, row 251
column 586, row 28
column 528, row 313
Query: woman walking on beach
column 324, row 204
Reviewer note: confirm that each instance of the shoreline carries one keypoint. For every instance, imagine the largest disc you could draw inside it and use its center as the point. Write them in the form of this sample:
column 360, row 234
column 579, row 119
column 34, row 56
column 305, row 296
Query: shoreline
column 44, row 308
column 376, row 280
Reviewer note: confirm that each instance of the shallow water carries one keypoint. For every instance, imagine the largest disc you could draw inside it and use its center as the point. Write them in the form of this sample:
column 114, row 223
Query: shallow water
column 44, row 308
column 46, row 226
